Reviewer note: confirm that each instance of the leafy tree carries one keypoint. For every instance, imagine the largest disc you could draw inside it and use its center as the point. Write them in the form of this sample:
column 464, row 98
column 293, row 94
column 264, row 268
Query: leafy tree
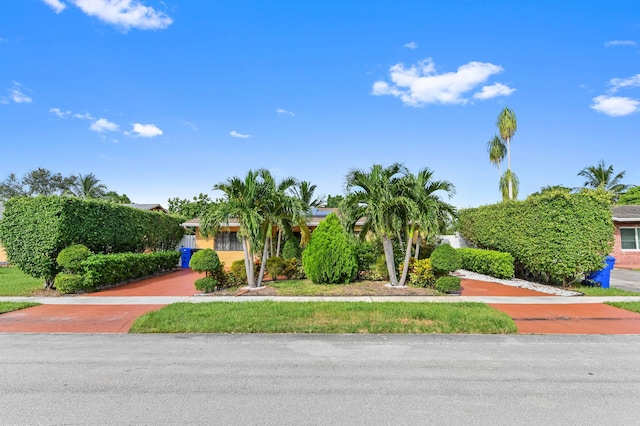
column 334, row 201
column 507, row 126
column 114, row 197
column 601, row 177
column 552, row 188
column 35, row 182
column 632, row 196
column 87, row 186
column 190, row 209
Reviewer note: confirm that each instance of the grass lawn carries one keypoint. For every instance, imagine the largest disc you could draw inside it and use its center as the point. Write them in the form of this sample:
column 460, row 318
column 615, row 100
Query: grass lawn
column 629, row 306
column 15, row 306
column 13, row 282
column 598, row 291
column 325, row 317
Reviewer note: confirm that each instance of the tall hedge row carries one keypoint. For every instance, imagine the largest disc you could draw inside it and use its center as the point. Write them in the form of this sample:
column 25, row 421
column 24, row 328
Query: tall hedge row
column 35, row 229
column 554, row 236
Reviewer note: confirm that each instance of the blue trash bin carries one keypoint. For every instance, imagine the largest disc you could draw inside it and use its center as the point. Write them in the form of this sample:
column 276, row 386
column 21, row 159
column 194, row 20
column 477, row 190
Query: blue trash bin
column 185, row 256
column 603, row 276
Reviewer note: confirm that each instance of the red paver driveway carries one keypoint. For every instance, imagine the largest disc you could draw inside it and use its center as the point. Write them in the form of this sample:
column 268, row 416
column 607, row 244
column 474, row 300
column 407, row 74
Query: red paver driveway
column 179, row 283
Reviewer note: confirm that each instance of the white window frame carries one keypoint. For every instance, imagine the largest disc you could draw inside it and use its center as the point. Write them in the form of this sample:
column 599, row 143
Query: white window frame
column 637, row 232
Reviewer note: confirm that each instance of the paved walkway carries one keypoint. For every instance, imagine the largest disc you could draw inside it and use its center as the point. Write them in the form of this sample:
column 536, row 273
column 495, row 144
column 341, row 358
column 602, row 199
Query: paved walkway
column 114, row 310
column 625, row 279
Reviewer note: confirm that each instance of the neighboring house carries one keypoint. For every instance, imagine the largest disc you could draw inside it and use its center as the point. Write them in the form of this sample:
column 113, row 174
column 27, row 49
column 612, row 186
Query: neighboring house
column 229, row 247
column 148, row 207
column 626, row 247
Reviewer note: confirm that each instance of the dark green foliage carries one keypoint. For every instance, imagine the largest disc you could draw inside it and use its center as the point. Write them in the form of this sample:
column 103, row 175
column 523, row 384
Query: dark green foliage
column 207, row 284
column 35, row 229
column 366, row 254
column 206, row 261
column 238, row 273
column 71, row 258
column 445, row 259
column 421, row 274
column 552, row 237
column 291, row 248
column 330, row 256
column 448, row 284
column 275, row 267
column 70, row 283
column 334, row 200
column 380, row 269
column 632, row 196
column 107, row 269
column 488, row 262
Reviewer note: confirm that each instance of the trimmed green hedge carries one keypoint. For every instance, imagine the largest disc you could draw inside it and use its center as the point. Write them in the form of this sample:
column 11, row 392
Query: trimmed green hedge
column 488, row 262
column 35, row 229
column 448, row 284
column 444, row 259
column 553, row 236
column 106, row 269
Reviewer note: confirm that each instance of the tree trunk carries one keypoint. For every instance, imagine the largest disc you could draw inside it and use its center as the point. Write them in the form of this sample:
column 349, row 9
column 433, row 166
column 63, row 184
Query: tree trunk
column 407, row 258
column 509, row 167
column 279, row 241
column 417, row 251
column 48, row 284
column 387, row 244
column 263, row 263
column 248, row 262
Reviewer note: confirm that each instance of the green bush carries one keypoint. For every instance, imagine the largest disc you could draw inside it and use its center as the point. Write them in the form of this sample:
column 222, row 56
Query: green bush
column 291, row 248
column 488, row 262
column 448, row 284
column 421, row 274
column 34, row 230
column 206, row 261
column 71, row 258
column 275, row 267
column 380, row 269
column 554, row 236
column 69, row 283
column 290, row 268
column 330, row 256
column 445, row 259
column 366, row 254
column 238, row 273
column 206, row 284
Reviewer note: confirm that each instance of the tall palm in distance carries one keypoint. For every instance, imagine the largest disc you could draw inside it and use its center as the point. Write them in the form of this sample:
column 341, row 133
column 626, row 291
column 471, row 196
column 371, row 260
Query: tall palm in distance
column 508, row 177
column 497, row 151
column 601, row 177
column 87, row 186
column 507, row 126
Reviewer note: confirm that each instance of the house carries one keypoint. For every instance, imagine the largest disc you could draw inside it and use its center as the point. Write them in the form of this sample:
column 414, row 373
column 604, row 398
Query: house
column 228, row 245
column 149, row 207
column 626, row 246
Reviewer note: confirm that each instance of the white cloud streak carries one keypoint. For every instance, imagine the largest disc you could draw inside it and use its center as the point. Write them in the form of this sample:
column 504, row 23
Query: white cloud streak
column 282, row 111
column 60, row 113
column 16, row 95
column 125, row 14
column 146, row 130
column 103, row 125
column 238, row 135
column 56, row 5
column 421, row 84
column 411, row 45
column 619, row 83
column 620, row 43
column 615, row 106
column 85, row 116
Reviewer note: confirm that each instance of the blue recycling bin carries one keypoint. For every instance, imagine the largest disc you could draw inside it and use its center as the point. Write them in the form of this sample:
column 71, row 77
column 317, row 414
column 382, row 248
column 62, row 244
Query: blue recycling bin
column 603, row 276
column 185, row 256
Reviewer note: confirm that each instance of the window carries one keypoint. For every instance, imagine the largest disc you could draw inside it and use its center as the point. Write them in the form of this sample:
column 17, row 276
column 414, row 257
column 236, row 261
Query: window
column 630, row 238
column 227, row 241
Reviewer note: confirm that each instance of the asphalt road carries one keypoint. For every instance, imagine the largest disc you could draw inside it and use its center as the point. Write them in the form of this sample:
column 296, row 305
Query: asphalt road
column 319, row 379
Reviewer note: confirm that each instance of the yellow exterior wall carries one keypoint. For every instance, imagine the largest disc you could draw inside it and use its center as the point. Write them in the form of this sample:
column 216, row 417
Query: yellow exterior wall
column 3, row 255
column 227, row 257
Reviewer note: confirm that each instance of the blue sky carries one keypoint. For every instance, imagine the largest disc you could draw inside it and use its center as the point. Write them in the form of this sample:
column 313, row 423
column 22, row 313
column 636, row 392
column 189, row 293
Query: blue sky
column 164, row 99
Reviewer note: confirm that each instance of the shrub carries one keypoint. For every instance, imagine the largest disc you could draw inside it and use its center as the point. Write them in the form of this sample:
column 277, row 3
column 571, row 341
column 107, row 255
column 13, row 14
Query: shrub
column 421, row 274
column 206, row 284
column 238, row 273
column 206, row 261
column 291, row 248
column 71, row 258
column 68, row 283
column 290, row 268
column 489, row 262
column 275, row 267
column 366, row 255
column 35, row 229
column 380, row 269
column 555, row 235
column 330, row 256
column 448, row 284
column 445, row 259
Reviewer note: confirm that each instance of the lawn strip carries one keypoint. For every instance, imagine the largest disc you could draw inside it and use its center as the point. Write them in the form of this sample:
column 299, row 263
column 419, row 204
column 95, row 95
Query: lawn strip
column 326, row 317
column 599, row 291
column 14, row 282
column 15, row 306
column 628, row 306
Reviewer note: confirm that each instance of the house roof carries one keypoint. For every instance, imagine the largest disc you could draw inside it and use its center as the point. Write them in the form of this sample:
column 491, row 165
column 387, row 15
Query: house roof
column 626, row 213
column 148, row 207
column 317, row 215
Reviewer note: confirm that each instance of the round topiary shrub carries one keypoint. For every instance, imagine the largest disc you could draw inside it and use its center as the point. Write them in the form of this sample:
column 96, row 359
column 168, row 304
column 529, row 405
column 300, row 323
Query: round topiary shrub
column 206, row 284
column 448, row 284
column 330, row 257
column 68, row 283
column 445, row 259
column 207, row 261
column 71, row 258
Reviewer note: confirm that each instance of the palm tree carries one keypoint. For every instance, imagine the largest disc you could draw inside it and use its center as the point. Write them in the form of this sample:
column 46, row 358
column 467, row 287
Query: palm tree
column 507, row 126
column 497, row 151
column 601, row 177
column 509, row 181
column 88, row 187
column 305, row 192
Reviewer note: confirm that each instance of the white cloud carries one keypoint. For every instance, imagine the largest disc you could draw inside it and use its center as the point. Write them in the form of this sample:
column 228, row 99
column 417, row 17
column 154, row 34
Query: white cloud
column 103, row 125
column 85, row 116
column 285, row 112
column 411, row 45
column 60, row 113
column 146, row 130
column 125, row 14
column 56, row 5
column 493, row 91
column 19, row 97
column 190, row 125
column 421, row 84
column 618, row 83
column 238, row 135
column 620, row 43
column 615, row 106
